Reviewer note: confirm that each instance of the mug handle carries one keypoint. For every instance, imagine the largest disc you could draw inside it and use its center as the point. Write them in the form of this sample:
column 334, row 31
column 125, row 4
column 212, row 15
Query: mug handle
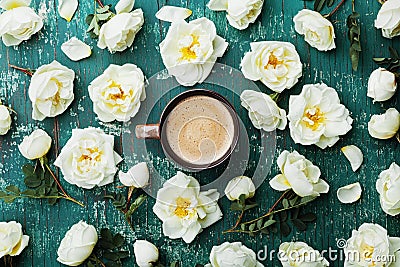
column 148, row 131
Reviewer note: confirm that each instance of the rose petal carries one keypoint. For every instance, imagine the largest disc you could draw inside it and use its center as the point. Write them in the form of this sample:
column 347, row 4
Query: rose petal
column 75, row 49
column 354, row 155
column 67, row 8
column 173, row 13
column 349, row 193
column 124, row 6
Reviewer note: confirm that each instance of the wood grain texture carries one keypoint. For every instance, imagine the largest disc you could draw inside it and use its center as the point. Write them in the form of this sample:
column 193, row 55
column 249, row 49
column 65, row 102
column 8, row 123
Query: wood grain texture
column 46, row 225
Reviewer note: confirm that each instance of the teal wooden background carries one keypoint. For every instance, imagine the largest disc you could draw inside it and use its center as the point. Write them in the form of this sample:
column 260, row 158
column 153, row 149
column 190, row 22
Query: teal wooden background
column 46, row 225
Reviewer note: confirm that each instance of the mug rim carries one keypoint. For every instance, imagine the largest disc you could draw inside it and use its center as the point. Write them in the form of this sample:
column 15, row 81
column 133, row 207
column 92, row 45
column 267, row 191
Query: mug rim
column 179, row 98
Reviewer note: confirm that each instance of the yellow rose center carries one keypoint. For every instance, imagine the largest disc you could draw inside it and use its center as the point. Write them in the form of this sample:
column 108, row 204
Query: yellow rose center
column 94, row 154
column 368, row 252
column 182, row 207
column 187, row 52
column 273, row 61
column 56, row 98
column 313, row 117
column 119, row 95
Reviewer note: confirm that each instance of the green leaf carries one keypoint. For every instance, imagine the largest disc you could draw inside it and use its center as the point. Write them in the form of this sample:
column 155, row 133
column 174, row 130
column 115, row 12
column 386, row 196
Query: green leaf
column 243, row 227
column 242, row 200
column 308, row 217
column 89, row 19
column 307, row 199
column 104, row 16
column 269, row 223
column 299, row 224
column 285, row 229
column 123, row 254
column 393, row 52
column 118, row 240
column 260, row 223
column 106, row 234
column 175, row 264
column 319, row 4
column 285, row 203
column 28, row 169
column 113, row 256
column 235, row 206
column 32, row 181
column 135, row 205
column 295, row 213
column 252, row 227
column 14, row 189
column 251, row 206
column 103, row 9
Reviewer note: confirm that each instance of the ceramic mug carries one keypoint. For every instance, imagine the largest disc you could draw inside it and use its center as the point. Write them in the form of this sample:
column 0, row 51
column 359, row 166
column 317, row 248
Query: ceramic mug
column 158, row 131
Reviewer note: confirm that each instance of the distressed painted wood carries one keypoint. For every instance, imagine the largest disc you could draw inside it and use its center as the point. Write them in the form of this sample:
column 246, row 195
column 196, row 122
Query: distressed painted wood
column 46, row 225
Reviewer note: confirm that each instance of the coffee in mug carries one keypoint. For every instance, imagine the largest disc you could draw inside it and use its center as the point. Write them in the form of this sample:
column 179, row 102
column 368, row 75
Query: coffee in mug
column 200, row 129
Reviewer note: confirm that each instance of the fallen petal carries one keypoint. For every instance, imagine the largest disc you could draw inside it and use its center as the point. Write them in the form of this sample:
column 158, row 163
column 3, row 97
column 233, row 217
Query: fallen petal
column 354, row 155
column 173, row 13
column 67, row 8
column 75, row 49
column 124, row 6
column 349, row 193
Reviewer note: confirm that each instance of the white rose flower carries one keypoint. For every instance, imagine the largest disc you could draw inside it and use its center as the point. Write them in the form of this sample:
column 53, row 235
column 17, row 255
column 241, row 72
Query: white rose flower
column 386, row 125
column 51, row 90
column 117, row 93
column 36, row 145
column 19, row 22
column 184, row 210
column 138, row 176
column 120, row 31
column 77, row 245
column 317, row 30
column 298, row 174
column 238, row 186
column 317, row 117
column 146, row 253
column 88, row 158
column 189, row 50
column 5, row 120
column 275, row 64
column 389, row 19
column 370, row 245
column 299, row 254
column 239, row 13
column 233, row 255
column 381, row 85
column 388, row 187
column 12, row 240
column 264, row 113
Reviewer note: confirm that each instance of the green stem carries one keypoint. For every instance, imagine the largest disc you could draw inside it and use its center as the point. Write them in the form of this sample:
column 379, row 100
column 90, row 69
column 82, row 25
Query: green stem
column 64, row 194
column 275, row 96
column 278, row 211
column 26, row 71
column 236, row 224
column 100, row 3
column 353, row 5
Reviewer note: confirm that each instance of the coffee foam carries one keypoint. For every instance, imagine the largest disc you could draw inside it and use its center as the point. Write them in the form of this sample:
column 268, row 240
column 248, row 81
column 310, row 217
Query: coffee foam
column 200, row 130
